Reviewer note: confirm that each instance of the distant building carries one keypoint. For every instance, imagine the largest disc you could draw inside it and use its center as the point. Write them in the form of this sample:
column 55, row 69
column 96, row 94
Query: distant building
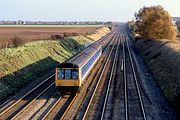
column 21, row 22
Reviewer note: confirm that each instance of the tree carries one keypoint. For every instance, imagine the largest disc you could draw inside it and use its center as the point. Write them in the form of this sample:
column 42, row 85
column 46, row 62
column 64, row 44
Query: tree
column 155, row 23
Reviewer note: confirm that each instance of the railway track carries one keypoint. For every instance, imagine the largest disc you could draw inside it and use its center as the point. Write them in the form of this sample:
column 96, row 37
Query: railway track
column 101, row 75
column 15, row 109
column 52, row 113
column 21, row 104
column 133, row 99
column 64, row 113
column 104, row 55
column 51, row 109
column 106, row 113
column 134, row 106
column 60, row 108
column 115, row 73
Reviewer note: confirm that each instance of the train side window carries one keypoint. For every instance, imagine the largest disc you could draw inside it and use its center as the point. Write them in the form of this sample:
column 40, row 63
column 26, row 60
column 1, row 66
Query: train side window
column 60, row 74
column 67, row 74
column 74, row 74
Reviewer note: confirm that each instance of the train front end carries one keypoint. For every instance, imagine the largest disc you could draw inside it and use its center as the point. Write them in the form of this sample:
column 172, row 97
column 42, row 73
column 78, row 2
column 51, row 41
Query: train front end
column 68, row 78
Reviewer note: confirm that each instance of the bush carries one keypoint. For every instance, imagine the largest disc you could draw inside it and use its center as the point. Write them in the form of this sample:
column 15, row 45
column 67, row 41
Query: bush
column 74, row 34
column 155, row 23
column 55, row 37
column 17, row 41
column 66, row 34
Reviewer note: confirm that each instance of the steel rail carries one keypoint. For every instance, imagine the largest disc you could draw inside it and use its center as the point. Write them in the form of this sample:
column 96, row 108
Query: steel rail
column 18, row 101
column 4, row 103
column 98, row 83
column 15, row 116
column 64, row 114
column 125, row 81
column 11, row 106
column 50, row 110
column 135, row 79
column 67, row 109
column 110, row 79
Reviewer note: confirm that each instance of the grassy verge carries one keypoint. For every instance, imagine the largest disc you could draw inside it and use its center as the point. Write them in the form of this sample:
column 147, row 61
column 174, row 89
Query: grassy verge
column 22, row 65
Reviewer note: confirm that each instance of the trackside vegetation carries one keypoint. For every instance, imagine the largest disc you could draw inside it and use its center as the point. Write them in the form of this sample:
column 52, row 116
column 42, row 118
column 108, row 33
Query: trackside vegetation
column 154, row 35
column 32, row 61
column 155, row 23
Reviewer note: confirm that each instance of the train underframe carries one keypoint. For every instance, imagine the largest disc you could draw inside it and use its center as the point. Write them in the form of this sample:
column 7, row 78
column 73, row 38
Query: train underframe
column 68, row 89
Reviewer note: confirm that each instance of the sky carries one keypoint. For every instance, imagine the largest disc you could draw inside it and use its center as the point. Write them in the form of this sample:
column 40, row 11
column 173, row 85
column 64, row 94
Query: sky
column 79, row 10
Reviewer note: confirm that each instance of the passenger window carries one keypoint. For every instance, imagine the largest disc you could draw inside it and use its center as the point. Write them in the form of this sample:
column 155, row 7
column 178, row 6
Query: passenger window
column 60, row 74
column 67, row 74
column 74, row 74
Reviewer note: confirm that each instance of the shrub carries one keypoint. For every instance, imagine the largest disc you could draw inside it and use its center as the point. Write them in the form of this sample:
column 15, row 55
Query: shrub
column 55, row 37
column 66, row 34
column 17, row 41
column 74, row 34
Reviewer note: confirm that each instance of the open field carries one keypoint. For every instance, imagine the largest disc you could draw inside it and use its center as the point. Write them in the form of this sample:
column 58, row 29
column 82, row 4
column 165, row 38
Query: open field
column 62, row 26
column 36, row 32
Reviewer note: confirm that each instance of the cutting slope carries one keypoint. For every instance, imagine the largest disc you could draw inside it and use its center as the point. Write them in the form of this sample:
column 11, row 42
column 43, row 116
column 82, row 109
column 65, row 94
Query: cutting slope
column 163, row 58
column 19, row 66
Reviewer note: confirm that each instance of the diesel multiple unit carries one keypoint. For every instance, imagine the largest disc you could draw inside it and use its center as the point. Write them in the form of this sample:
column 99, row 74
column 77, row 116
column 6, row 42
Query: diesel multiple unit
column 71, row 73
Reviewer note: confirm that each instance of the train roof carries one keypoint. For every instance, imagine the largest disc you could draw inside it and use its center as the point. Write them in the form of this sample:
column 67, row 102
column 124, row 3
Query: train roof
column 81, row 58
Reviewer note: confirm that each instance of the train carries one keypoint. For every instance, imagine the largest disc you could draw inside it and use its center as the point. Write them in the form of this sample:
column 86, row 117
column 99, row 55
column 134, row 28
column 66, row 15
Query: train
column 70, row 74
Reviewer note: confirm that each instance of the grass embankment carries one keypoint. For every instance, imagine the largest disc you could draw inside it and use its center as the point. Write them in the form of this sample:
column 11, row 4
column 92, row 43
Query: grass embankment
column 19, row 66
column 99, row 33
column 163, row 58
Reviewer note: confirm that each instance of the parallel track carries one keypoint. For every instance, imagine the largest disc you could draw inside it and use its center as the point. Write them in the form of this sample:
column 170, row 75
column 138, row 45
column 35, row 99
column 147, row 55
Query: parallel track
column 22, row 110
column 127, row 110
column 50, row 110
column 66, row 111
column 69, row 101
column 108, row 42
column 10, row 112
column 113, row 70
column 96, row 87
column 16, row 108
